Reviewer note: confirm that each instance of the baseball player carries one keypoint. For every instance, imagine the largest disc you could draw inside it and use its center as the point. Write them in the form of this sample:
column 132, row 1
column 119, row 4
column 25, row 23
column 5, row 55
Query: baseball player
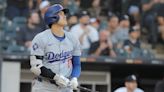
column 130, row 85
column 55, row 55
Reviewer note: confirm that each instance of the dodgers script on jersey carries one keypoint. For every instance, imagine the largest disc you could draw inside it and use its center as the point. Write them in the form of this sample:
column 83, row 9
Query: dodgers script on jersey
column 57, row 54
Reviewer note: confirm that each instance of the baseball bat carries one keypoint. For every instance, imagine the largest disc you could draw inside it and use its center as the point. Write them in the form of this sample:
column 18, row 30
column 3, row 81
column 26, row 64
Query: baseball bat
column 79, row 87
column 86, row 89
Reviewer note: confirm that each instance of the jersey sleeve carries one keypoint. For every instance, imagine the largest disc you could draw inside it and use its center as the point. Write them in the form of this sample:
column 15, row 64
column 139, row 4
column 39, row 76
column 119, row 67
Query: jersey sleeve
column 37, row 47
column 76, row 66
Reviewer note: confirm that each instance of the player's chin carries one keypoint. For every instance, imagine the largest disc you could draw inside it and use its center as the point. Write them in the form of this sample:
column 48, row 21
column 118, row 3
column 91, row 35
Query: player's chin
column 64, row 23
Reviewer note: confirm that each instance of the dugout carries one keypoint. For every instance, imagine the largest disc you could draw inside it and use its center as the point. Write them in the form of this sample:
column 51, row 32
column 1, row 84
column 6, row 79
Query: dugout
column 102, row 74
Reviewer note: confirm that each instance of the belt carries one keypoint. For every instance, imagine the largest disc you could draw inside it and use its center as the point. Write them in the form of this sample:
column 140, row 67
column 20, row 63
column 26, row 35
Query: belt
column 40, row 79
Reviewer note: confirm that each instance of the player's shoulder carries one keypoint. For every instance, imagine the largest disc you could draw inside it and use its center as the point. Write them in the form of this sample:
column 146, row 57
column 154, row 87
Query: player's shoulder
column 138, row 90
column 69, row 34
column 42, row 34
column 121, row 89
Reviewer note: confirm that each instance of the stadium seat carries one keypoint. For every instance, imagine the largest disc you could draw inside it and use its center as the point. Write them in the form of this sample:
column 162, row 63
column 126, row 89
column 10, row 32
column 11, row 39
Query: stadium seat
column 10, row 35
column 136, row 53
column 1, row 35
column 4, row 45
column 121, row 52
column 19, row 21
column 147, row 54
column 17, row 49
column 11, row 27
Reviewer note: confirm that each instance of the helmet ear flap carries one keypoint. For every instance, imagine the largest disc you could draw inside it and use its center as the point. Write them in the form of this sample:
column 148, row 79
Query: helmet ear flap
column 55, row 18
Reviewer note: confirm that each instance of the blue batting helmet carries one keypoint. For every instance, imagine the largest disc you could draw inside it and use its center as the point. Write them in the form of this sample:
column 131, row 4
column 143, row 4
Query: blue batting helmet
column 51, row 16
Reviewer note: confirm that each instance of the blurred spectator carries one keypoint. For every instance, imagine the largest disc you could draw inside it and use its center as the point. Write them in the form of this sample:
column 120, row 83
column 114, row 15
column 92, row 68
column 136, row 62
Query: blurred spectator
column 130, row 85
column 94, row 23
column 160, row 8
column 102, row 47
column 95, row 9
column 133, row 43
column 42, row 9
column 72, row 5
column 18, row 8
column 103, row 19
column 65, row 2
column 113, row 24
column 161, row 27
column 115, row 6
column 126, row 4
column 85, row 4
column 122, row 32
column 27, row 33
column 149, row 15
column 85, row 32
column 34, row 4
column 72, row 20
column 134, row 14
column 55, row 1
column 160, row 19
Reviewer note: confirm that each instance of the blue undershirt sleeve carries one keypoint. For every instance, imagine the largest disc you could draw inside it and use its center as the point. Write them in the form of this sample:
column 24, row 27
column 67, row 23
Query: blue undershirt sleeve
column 76, row 66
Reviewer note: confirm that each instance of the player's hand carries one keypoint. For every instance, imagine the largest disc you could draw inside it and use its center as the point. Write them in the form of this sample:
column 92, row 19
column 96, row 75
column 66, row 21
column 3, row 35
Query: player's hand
column 61, row 80
column 74, row 83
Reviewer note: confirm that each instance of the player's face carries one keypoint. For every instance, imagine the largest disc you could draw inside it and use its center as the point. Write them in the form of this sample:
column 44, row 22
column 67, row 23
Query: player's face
column 62, row 20
column 131, row 85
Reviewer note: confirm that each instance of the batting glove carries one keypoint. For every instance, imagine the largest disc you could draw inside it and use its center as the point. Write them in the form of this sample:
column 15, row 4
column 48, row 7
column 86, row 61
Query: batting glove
column 61, row 80
column 74, row 83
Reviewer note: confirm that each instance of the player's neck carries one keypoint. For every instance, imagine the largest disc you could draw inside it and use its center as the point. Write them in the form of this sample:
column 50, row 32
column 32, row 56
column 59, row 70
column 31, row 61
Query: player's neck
column 129, row 90
column 57, row 30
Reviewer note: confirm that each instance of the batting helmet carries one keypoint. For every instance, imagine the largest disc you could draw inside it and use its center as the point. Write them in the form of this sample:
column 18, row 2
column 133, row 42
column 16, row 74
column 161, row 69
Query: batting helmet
column 51, row 16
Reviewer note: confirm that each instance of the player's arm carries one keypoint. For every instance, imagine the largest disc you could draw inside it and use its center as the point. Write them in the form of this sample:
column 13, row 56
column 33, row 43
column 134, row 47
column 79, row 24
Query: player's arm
column 36, row 58
column 76, row 59
column 37, row 67
column 76, row 65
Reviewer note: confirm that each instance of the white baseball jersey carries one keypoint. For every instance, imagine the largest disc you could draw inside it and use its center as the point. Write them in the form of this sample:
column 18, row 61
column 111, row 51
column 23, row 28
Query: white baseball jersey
column 57, row 54
column 124, row 89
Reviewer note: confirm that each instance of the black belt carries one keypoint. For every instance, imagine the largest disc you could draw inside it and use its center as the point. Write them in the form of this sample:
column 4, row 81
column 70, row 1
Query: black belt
column 51, row 81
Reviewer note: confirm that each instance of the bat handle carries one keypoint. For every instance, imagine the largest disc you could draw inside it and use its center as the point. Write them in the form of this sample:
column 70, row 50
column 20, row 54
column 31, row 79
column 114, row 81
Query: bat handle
column 85, row 89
